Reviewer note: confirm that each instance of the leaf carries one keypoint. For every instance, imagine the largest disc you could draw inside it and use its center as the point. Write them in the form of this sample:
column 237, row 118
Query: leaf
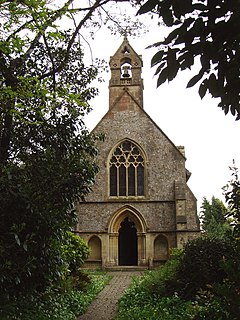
column 167, row 15
column 17, row 239
column 17, row 280
column 159, row 68
column 156, row 44
column 213, row 85
column 186, row 60
column 171, row 56
column 199, row 6
column 148, row 6
column 173, row 70
column 205, row 61
column 180, row 8
column 202, row 89
column 233, row 110
column 25, row 247
column 172, row 63
column 157, row 58
column 162, row 77
column 195, row 79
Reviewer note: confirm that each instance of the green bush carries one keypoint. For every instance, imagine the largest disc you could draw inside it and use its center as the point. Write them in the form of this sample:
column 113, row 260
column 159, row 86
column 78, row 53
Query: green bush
column 55, row 303
column 32, row 233
column 200, row 266
column 153, row 283
column 209, row 306
column 75, row 252
column 228, row 291
column 200, row 283
column 143, row 300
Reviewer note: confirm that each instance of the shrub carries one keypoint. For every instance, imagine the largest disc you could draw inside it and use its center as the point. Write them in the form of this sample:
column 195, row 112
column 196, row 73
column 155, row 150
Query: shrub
column 229, row 290
column 209, row 306
column 140, row 303
column 142, row 299
column 75, row 252
column 54, row 303
column 156, row 281
column 200, row 266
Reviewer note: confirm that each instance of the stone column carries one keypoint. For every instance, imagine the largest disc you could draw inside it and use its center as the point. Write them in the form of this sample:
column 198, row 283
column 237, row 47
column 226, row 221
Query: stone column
column 141, row 237
column 113, row 249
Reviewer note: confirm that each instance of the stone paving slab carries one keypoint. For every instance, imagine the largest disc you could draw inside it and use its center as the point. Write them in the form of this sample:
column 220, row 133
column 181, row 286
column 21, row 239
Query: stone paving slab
column 104, row 307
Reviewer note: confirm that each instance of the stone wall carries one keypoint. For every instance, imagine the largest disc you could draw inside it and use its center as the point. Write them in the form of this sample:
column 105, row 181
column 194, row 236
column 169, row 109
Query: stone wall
column 165, row 163
column 95, row 217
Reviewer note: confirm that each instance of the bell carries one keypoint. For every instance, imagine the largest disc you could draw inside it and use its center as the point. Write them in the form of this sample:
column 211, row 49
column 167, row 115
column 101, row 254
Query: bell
column 126, row 73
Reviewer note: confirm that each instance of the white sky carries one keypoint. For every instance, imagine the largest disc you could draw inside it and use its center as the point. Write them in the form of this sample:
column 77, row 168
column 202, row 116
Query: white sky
column 210, row 138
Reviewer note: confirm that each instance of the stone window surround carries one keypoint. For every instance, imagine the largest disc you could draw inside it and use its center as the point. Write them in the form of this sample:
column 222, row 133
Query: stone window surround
column 146, row 162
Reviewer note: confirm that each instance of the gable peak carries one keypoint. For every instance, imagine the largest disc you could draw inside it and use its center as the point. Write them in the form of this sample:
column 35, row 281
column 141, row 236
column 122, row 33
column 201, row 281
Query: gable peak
column 126, row 51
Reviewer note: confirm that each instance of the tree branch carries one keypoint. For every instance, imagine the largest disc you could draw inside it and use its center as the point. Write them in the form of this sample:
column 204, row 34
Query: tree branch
column 79, row 26
column 52, row 60
column 19, row 29
column 57, row 14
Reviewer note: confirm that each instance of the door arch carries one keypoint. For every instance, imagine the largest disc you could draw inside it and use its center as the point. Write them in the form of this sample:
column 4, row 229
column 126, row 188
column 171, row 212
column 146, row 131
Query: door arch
column 127, row 244
column 127, row 229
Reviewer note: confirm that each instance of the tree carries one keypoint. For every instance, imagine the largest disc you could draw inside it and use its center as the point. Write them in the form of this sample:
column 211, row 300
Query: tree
column 49, row 164
column 214, row 218
column 28, row 28
column 232, row 195
column 47, row 156
column 203, row 29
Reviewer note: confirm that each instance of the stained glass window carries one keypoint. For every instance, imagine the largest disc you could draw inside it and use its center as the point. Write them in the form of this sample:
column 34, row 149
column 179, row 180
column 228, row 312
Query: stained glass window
column 126, row 171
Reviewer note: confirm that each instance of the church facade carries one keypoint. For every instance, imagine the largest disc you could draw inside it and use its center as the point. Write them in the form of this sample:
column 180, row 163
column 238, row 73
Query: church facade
column 141, row 205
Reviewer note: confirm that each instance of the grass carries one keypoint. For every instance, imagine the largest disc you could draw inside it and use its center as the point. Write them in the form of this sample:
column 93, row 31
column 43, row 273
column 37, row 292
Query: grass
column 64, row 302
column 141, row 303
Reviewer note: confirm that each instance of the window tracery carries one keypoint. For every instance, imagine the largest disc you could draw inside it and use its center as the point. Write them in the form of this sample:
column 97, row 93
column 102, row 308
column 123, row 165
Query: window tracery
column 126, row 171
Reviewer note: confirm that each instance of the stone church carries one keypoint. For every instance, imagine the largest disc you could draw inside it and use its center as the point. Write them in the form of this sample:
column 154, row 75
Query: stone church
column 141, row 205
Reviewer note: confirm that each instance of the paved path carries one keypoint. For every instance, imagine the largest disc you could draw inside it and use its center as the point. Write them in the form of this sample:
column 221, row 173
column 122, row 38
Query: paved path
column 104, row 307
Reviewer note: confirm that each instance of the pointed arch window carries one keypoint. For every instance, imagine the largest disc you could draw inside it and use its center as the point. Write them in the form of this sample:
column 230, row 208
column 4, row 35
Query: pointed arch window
column 126, row 171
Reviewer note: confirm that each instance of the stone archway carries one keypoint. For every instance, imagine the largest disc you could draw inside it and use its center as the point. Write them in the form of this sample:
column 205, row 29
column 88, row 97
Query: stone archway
column 127, row 244
column 127, row 232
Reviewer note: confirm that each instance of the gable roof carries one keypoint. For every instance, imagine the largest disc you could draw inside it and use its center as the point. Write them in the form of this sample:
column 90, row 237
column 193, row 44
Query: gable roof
column 126, row 92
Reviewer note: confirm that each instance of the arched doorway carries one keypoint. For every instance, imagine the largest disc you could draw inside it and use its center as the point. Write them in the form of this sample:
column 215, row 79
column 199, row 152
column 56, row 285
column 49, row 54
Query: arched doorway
column 127, row 243
column 127, row 225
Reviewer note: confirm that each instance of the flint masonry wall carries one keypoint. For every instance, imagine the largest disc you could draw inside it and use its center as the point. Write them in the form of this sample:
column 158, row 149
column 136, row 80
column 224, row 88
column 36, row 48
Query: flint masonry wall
column 168, row 209
column 96, row 216
column 165, row 162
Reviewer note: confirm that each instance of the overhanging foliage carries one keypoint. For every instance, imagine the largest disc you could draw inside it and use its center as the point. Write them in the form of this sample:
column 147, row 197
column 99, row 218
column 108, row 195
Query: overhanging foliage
column 203, row 29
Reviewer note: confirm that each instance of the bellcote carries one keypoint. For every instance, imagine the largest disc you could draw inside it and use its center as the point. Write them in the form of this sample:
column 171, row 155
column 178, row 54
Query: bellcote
column 126, row 68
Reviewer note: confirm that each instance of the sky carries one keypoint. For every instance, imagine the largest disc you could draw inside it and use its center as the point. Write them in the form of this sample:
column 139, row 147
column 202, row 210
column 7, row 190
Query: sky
column 210, row 138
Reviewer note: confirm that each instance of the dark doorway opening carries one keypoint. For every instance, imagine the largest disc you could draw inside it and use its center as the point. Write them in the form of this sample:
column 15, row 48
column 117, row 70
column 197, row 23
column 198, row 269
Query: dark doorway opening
column 127, row 244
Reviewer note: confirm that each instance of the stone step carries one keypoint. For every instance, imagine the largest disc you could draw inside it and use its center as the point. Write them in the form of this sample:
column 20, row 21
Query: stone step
column 126, row 268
